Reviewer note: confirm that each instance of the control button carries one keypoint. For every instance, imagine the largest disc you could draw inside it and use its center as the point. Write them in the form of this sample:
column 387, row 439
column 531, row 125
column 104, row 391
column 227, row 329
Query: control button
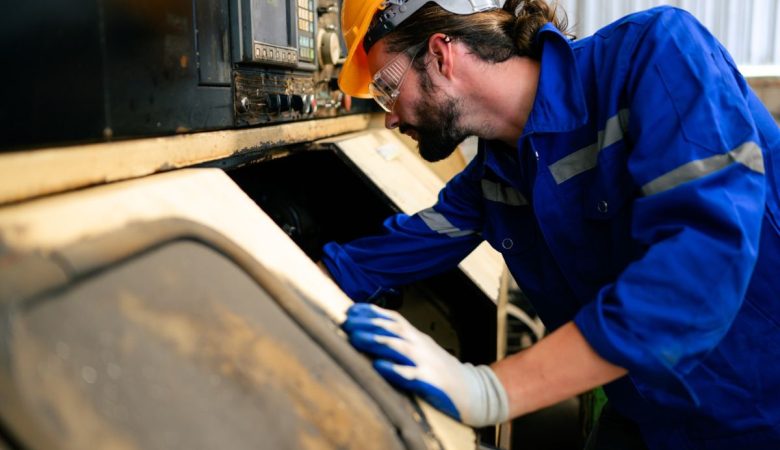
column 273, row 101
column 284, row 102
column 307, row 103
column 296, row 103
column 602, row 207
column 243, row 104
column 507, row 244
column 278, row 103
column 313, row 103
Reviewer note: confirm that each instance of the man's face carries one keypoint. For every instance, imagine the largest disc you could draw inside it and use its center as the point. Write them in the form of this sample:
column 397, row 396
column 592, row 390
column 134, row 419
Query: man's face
column 421, row 110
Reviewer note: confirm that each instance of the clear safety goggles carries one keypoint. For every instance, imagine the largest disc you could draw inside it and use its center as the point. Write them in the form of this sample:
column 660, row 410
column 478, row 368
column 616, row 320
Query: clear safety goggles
column 385, row 86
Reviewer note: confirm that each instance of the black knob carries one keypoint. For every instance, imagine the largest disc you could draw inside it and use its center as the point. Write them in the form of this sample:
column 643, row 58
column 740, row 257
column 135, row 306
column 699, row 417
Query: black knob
column 273, row 103
column 284, row 102
column 278, row 103
column 297, row 103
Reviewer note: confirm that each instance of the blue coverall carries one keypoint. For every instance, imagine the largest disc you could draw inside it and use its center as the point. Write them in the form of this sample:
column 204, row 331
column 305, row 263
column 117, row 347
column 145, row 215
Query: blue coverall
column 641, row 201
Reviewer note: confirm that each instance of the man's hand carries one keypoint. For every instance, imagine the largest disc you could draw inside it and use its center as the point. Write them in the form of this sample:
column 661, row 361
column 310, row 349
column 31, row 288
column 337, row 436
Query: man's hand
column 412, row 361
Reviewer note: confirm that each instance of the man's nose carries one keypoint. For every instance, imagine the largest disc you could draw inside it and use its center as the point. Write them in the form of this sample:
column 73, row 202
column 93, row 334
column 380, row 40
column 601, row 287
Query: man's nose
column 391, row 120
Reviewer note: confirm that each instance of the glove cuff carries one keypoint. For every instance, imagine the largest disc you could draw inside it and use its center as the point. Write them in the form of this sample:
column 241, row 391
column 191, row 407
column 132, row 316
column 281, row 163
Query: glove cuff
column 491, row 404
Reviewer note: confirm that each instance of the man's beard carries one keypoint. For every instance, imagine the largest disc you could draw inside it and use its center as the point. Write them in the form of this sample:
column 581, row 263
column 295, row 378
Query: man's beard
column 437, row 134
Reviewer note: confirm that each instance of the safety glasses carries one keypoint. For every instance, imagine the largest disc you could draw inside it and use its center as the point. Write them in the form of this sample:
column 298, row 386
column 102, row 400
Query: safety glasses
column 386, row 84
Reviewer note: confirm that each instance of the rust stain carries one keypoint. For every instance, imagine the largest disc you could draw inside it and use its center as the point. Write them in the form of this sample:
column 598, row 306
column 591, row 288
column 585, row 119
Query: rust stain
column 177, row 329
column 237, row 350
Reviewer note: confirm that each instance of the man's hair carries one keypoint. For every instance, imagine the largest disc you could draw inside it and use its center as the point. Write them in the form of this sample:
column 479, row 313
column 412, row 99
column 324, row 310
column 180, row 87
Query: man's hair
column 493, row 36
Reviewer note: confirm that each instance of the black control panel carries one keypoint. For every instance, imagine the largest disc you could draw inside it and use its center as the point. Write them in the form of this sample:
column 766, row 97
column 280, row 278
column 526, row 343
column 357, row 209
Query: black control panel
column 116, row 69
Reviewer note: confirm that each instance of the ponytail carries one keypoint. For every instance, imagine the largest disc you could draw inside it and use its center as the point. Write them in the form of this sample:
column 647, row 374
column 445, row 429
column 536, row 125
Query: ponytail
column 529, row 17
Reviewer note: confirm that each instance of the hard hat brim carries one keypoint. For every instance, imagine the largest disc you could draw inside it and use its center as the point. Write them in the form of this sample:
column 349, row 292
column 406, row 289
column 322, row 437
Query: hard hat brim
column 354, row 76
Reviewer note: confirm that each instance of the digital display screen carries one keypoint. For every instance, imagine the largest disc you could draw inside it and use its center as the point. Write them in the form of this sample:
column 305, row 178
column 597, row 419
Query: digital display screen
column 270, row 22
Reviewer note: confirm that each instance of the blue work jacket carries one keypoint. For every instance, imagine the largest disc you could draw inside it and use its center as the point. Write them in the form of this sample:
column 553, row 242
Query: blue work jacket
column 641, row 202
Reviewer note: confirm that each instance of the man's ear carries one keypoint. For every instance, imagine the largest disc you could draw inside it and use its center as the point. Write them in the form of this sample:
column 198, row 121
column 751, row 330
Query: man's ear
column 440, row 48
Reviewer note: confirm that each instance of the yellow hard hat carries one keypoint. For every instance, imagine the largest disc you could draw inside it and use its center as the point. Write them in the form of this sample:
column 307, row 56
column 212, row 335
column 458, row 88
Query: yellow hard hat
column 356, row 19
column 356, row 16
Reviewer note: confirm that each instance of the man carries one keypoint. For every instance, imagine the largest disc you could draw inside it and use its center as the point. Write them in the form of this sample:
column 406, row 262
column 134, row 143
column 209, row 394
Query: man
column 629, row 179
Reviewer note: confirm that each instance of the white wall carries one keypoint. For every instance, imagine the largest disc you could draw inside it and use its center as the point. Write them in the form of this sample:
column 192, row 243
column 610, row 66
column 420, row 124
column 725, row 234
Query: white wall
column 747, row 28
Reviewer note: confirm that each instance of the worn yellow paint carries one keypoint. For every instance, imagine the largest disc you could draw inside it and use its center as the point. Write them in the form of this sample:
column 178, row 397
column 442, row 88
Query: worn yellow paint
column 34, row 173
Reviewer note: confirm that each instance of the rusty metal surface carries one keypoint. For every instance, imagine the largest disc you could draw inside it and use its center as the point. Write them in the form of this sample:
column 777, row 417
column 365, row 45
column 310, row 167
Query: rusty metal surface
column 180, row 349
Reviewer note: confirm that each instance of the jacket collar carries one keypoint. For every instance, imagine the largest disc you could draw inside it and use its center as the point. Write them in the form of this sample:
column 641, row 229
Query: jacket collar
column 559, row 105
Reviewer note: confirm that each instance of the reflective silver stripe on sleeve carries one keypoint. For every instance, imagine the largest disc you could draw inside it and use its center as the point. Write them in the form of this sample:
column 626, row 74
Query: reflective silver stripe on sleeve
column 500, row 193
column 748, row 154
column 585, row 158
column 438, row 223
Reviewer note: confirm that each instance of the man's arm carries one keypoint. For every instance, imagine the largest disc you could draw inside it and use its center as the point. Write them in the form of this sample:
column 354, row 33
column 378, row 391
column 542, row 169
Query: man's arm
column 558, row 367
column 445, row 234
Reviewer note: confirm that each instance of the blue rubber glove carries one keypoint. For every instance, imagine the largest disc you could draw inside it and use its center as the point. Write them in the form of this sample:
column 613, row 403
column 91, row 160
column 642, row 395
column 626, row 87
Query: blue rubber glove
column 412, row 361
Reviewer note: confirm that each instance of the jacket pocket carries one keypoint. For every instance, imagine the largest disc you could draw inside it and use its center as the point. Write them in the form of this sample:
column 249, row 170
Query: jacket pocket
column 510, row 225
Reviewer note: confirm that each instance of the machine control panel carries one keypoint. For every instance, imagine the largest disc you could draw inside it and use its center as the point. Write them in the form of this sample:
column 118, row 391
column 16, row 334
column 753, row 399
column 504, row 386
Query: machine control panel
column 292, row 73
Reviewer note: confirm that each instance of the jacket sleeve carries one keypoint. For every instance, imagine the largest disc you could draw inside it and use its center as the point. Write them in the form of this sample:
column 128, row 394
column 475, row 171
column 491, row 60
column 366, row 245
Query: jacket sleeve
column 697, row 159
column 414, row 247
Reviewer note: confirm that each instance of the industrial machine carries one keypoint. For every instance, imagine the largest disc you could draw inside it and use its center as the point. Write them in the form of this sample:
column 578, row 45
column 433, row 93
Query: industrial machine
column 117, row 69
